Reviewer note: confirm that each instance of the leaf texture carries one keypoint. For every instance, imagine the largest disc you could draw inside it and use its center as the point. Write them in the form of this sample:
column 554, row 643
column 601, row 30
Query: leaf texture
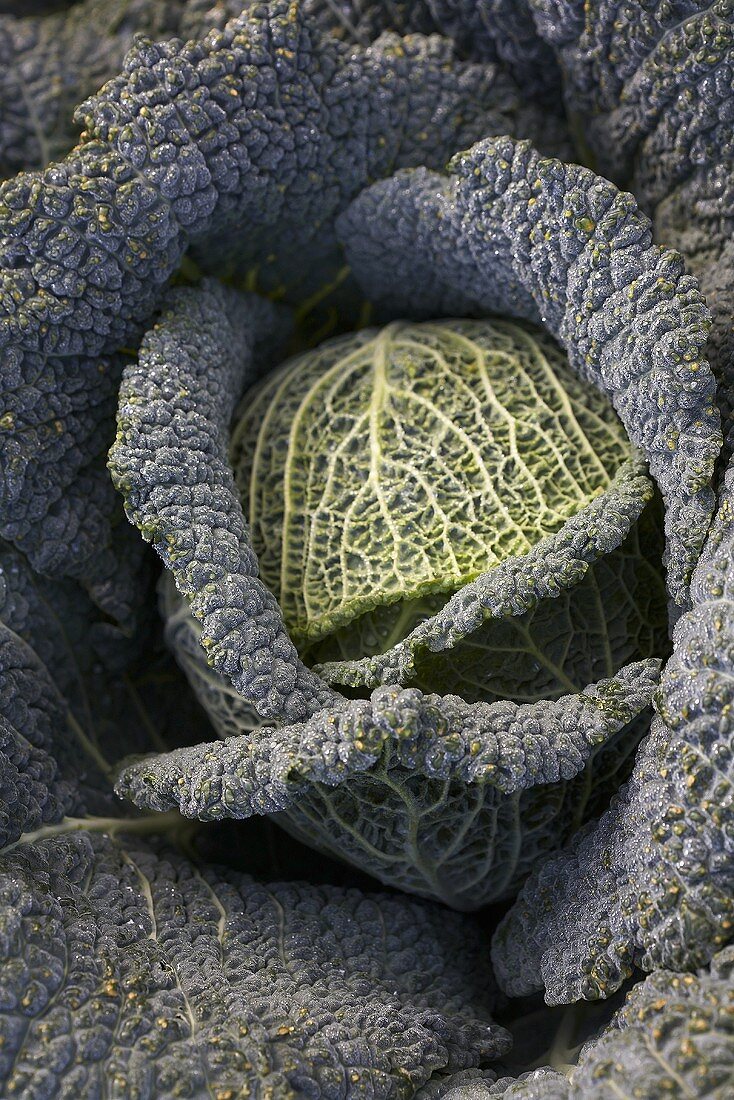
column 177, row 403
column 76, row 694
column 50, row 62
column 186, row 148
column 673, row 1036
column 513, row 233
column 651, row 884
column 546, row 604
column 128, row 968
column 445, row 799
column 404, row 461
column 651, row 87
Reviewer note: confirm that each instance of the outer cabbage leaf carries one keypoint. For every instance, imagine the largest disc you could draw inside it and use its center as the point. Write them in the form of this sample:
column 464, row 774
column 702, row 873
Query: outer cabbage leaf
column 445, row 799
column 673, row 1036
column 516, row 234
column 652, row 90
column 49, row 652
column 76, row 695
column 127, row 967
column 170, row 462
column 468, row 1084
column 652, row 883
column 217, row 695
column 495, row 30
column 196, row 145
column 354, row 21
column 503, row 29
column 32, row 789
column 56, row 503
column 537, row 1084
column 51, row 61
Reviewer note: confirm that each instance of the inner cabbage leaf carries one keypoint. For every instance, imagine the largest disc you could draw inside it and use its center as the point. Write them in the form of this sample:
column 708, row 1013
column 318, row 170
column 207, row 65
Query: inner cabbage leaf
column 616, row 614
column 390, row 467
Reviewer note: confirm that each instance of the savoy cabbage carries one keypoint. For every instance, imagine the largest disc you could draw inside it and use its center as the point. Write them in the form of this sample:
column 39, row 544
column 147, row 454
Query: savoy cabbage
column 402, row 332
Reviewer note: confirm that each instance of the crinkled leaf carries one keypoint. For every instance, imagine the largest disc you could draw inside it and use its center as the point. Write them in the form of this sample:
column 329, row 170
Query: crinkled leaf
column 50, row 62
column 56, row 502
column 575, row 608
column 615, row 615
column 125, row 963
column 79, row 694
column 513, row 233
column 652, row 883
column 192, row 367
column 443, row 798
column 170, row 462
column 503, row 29
column 32, row 788
column 191, row 144
column 673, row 1036
column 399, row 462
column 538, row 1084
column 467, row 1084
column 652, row 90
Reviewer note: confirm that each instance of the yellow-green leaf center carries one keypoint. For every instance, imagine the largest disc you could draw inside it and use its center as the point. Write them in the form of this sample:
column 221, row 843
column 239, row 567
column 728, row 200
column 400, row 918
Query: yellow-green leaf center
column 395, row 463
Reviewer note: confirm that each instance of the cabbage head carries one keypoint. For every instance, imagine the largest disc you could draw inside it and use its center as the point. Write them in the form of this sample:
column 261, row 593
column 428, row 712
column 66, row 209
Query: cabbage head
column 466, row 551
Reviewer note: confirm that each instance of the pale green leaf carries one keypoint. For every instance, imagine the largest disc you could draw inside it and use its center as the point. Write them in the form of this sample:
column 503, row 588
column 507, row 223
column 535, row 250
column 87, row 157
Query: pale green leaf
column 395, row 463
